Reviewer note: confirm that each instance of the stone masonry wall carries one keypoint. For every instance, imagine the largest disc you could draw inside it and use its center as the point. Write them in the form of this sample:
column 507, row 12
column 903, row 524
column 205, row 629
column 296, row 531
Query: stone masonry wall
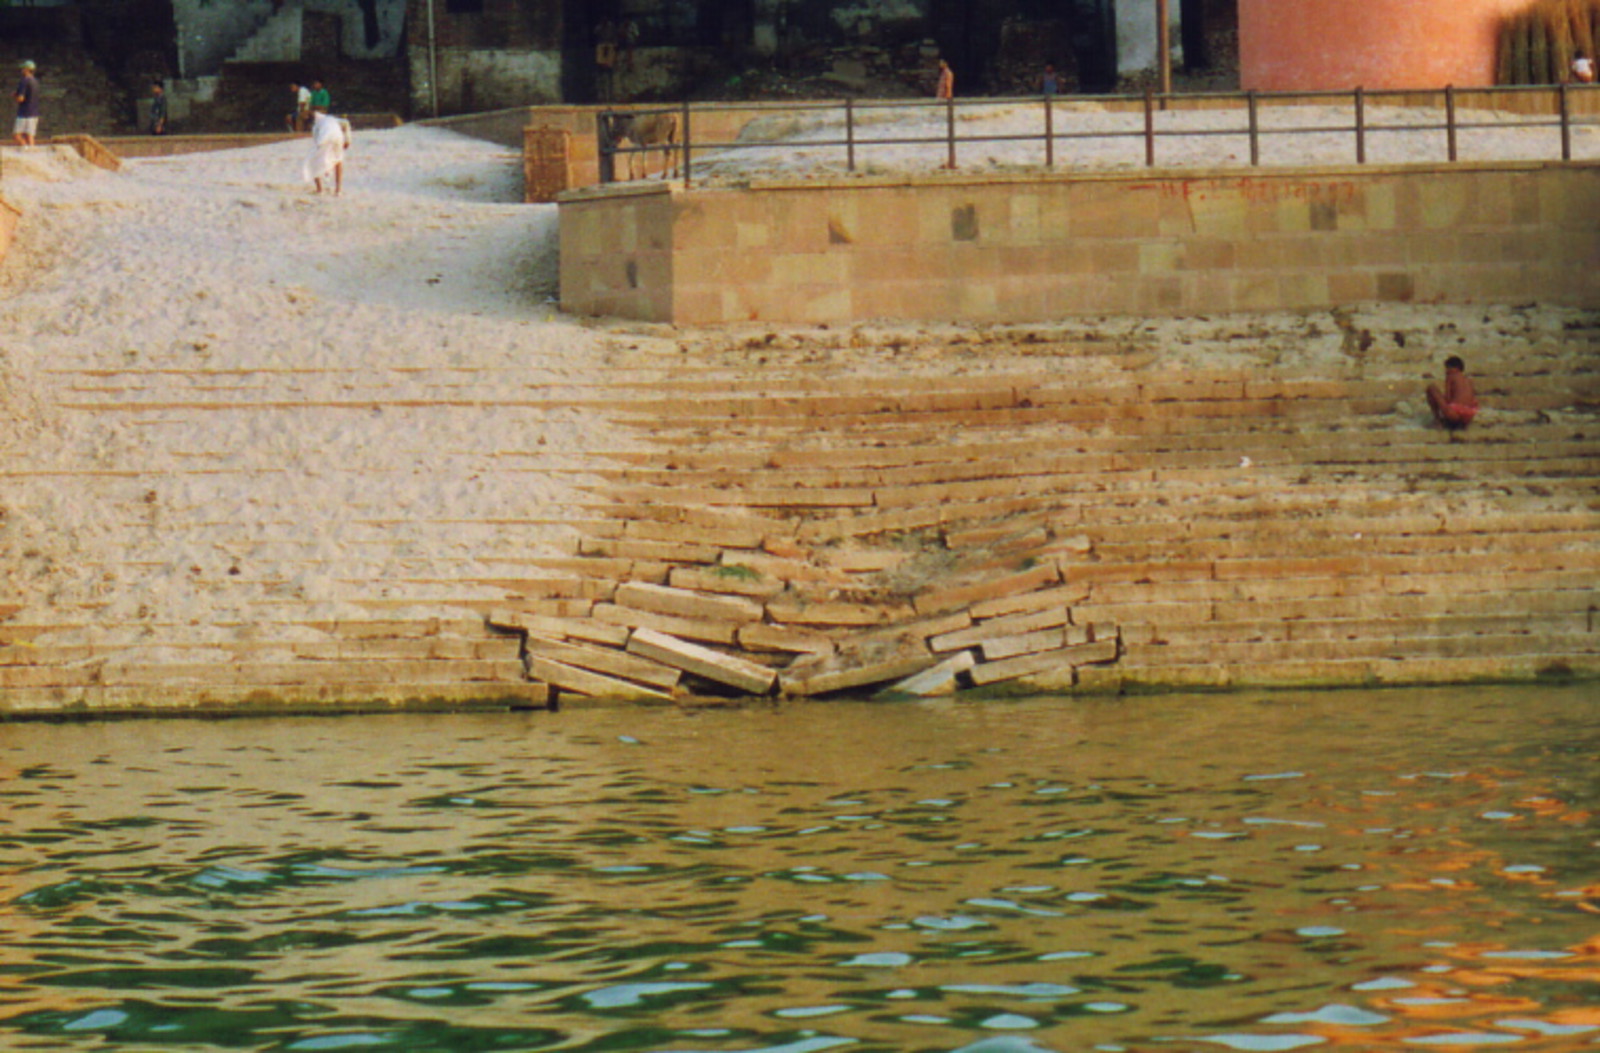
column 1039, row 246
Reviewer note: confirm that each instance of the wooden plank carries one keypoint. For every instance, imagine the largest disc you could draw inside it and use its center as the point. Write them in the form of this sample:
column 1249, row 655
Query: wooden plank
column 702, row 661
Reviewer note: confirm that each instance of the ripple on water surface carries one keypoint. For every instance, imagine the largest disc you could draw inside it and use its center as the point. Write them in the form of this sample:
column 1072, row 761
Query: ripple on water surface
column 1405, row 870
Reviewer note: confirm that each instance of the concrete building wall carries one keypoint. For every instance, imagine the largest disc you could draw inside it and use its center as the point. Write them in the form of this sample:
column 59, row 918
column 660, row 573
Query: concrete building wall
column 1308, row 45
column 1036, row 247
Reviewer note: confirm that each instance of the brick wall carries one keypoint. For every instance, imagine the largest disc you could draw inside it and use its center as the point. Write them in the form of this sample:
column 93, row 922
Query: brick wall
column 1041, row 246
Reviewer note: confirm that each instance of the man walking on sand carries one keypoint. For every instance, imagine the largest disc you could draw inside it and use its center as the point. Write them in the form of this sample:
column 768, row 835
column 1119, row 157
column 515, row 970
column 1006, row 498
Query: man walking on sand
column 1455, row 404
column 27, row 96
column 330, row 138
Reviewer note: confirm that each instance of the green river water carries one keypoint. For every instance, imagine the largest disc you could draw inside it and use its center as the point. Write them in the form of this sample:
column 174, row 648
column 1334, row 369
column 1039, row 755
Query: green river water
column 1388, row 870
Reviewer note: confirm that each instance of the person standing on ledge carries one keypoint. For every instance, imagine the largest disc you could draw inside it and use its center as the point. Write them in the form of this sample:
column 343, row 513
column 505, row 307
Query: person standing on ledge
column 27, row 97
column 158, row 109
column 1455, row 404
column 1049, row 82
column 321, row 101
column 945, row 89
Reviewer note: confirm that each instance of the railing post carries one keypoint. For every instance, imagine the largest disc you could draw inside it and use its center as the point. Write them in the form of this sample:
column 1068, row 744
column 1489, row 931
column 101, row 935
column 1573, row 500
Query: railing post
column 1566, row 124
column 1255, row 131
column 1450, row 118
column 608, row 149
column 950, row 131
column 1149, row 130
column 1049, row 132
column 849, row 135
column 1361, row 126
column 688, row 144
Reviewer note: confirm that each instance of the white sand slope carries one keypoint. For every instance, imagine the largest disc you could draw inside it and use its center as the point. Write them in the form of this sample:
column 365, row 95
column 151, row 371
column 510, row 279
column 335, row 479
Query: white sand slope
column 222, row 396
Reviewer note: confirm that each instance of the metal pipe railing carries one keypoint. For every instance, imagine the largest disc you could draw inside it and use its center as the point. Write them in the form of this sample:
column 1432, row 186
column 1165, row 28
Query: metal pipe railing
column 854, row 142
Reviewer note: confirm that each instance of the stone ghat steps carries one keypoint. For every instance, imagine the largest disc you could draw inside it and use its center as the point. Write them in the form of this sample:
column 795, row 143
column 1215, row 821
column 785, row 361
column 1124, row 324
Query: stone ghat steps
column 818, row 530
column 930, row 464
column 416, row 662
column 1230, row 528
column 821, row 491
column 1090, row 396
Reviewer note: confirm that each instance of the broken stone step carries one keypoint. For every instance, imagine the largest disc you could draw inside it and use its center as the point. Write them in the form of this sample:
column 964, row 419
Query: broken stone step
column 999, row 628
column 601, row 660
column 967, row 595
column 688, row 628
column 861, row 676
column 595, row 685
column 832, row 614
column 703, row 661
column 731, row 579
column 758, row 636
column 941, row 679
column 1066, row 658
column 561, row 628
column 683, row 603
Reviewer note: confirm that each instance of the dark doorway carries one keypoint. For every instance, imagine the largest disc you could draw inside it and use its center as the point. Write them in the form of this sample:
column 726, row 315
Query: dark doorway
column 1094, row 44
column 975, row 38
column 580, row 34
column 1210, row 34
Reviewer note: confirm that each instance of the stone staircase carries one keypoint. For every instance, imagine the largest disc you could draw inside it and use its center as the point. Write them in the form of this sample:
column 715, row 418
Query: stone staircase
column 1108, row 527
column 276, row 38
column 850, row 512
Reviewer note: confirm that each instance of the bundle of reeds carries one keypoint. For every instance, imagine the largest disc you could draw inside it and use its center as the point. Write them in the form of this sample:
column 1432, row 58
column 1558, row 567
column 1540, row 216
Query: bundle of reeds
column 1537, row 45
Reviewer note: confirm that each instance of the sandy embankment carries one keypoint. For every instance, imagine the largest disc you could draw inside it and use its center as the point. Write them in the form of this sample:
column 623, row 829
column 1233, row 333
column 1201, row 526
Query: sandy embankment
column 226, row 398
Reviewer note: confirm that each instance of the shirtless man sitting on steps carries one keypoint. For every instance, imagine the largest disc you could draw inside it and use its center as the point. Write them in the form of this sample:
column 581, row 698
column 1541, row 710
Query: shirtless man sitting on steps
column 1456, row 403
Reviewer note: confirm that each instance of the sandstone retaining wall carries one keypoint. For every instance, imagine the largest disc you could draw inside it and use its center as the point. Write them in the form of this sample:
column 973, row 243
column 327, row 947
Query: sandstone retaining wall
column 1034, row 246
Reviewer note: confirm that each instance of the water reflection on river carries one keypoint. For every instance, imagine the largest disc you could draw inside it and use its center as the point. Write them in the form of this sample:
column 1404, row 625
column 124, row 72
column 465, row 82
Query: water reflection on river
column 1411, row 870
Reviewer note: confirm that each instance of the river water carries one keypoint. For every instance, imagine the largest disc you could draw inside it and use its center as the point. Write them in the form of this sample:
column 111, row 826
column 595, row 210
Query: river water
column 1388, row 870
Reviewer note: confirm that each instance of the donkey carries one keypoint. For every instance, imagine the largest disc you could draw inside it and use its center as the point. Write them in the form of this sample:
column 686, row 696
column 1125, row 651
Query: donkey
column 646, row 130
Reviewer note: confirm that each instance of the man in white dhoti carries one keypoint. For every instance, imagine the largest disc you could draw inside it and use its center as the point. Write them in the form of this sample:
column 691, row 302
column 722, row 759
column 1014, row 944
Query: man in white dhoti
column 330, row 138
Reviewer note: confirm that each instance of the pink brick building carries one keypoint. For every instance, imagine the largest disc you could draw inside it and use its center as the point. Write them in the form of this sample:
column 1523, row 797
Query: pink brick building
column 1308, row 45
